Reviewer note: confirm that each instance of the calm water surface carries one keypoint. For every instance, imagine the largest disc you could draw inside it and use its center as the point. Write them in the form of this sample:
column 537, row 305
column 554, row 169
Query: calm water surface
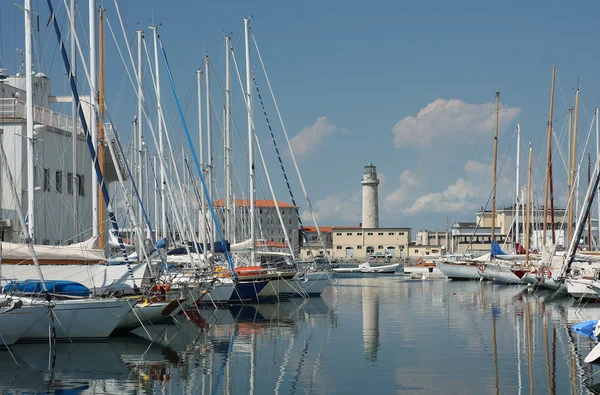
column 379, row 335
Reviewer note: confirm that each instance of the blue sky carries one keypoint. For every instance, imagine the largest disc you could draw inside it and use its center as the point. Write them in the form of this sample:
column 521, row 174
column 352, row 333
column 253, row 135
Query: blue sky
column 348, row 74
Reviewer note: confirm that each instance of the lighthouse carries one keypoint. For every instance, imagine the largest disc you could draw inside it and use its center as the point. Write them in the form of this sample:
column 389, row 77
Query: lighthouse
column 370, row 204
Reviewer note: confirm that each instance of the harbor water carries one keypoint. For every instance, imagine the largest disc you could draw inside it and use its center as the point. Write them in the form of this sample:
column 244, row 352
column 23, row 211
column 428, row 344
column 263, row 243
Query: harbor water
column 380, row 334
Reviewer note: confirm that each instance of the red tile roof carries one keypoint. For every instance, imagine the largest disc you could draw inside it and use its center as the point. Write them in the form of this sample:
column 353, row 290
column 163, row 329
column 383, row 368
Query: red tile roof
column 257, row 203
column 323, row 229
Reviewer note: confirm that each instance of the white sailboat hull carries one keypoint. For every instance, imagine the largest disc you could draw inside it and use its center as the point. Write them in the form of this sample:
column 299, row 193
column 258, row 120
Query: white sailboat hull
column 313, row 283
column 14, row 323
column 580, row 288
column 81, row 319
column 459, row 271
column 220, row 293
column 148, row 313
column 500, row 273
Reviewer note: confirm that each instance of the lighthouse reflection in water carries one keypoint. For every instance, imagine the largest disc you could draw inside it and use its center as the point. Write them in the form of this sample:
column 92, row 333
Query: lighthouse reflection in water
column 383, row 334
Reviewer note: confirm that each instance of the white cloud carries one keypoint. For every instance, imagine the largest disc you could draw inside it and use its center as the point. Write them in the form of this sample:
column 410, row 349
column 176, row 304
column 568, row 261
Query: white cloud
column 455, row 198
column 442, row 120
column 311, row 137
column 334, row 208
column 408, row 183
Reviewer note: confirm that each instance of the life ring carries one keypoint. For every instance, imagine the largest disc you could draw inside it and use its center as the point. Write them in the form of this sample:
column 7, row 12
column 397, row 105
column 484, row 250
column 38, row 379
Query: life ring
column 420, row 260
column 158, row 293
column 546, row 273
column 481, row 268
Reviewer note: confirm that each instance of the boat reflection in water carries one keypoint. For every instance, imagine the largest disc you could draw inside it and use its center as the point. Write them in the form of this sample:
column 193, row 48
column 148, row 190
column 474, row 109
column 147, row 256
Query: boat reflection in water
column 390, row 333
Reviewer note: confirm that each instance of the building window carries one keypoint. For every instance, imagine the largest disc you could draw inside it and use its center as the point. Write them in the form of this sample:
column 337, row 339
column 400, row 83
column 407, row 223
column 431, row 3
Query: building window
column 380, row 233
column 349, row 234
column 338, row 234
column 70, row 183
column 416, row 251
column 427, row 253
column 370, row 234
column 359, row 247
column 338, row 247
column 434, row 251
column 80, row 185
column 46, row 179
column 380, row 247
column 370, row 250
column 46, row 242
column 391, row 234
column 401, row 233
column 359, row 234
column 58, row 179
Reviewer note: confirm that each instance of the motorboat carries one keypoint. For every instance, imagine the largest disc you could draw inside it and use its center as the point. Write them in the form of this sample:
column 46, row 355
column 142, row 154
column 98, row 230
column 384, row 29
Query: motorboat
column 367, row 268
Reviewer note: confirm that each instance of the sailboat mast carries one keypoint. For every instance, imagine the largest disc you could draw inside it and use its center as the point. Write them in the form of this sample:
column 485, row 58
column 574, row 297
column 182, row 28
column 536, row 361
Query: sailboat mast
column 589, row 216
column 202, row 228
column 495, row 172
column 74, row 124
column 227, row 138
column 574, row 160
column 161, row 146
column 101, row 159
column 597, row 157
column 569, row 185
column 30, row 136
column 140, row 128
column 93, row 121
column 528, row 224
column 250, row 142
column 517, row 185
column 209, row 148
column 548, row 159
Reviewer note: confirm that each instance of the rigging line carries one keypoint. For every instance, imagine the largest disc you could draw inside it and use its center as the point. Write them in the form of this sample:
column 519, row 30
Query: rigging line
column 309, row 204
column 91, row 148
column 287, row 182
column 193, row 151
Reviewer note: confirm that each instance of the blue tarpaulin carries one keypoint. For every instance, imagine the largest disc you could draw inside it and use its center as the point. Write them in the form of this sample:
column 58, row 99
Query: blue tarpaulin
column 495, row 249
column 585, row 328
column 58, row 287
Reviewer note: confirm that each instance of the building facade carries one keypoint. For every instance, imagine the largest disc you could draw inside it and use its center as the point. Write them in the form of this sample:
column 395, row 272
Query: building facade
column 360, row 243
column 268, row 227
column 63, row 208
column 315, row 246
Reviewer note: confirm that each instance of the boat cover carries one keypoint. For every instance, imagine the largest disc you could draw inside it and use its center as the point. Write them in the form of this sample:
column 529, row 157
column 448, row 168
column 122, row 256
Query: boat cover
column 585, row 328
column 495, row 249
column 58, row 287
column 85, row 251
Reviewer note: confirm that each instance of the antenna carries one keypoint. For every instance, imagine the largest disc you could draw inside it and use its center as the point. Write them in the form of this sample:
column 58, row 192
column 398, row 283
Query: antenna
column 21, row 54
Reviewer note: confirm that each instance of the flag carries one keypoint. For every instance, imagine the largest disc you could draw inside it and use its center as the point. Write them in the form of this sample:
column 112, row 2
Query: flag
column 135, row 120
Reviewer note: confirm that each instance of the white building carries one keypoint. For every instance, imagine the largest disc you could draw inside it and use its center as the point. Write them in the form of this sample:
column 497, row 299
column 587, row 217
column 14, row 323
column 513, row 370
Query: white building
column 55, row 220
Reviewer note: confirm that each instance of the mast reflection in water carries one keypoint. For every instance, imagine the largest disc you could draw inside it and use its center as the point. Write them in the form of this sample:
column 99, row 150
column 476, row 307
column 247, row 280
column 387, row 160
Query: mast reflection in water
column 382, row 334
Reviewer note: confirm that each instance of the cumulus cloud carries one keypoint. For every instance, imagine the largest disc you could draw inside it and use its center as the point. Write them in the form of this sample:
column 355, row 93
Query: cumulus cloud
column 311, row 137
column 408, row 183
column 338, row 207
column 442, row 120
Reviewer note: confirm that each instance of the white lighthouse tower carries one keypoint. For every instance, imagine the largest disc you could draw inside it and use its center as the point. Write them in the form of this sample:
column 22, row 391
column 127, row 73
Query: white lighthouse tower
column 370, row 207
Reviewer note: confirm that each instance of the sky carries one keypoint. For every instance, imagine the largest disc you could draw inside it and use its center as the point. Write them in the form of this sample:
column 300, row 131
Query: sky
column 409, row 86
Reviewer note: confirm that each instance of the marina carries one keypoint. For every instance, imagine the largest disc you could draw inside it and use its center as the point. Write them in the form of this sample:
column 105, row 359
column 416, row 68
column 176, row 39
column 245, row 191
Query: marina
column 171, row 222
column 391, row 333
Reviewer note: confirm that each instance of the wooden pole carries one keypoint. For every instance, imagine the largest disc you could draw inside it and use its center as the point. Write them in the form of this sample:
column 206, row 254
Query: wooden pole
column 548, row 159
column 573, row 161
column 495, row 172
